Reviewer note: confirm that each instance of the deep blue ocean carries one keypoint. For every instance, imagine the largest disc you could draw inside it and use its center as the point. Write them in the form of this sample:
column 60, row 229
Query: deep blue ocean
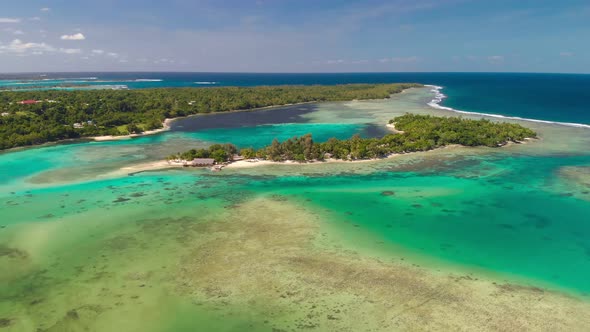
column 551, row 97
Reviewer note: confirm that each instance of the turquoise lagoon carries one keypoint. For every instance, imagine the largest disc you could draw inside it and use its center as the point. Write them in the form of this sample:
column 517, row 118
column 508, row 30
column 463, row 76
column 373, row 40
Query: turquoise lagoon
column 72, row 221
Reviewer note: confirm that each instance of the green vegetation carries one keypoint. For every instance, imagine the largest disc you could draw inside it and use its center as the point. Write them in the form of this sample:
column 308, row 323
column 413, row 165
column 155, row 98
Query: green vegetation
column 419, row 133
column 219, row 152
column 119, row 112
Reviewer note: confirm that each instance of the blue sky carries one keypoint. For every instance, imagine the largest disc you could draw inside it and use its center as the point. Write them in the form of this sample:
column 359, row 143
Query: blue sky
column 295, row 35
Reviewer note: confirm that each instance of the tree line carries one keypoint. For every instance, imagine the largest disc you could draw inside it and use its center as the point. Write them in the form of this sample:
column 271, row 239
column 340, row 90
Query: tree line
column 417, row 133
column 120, row 112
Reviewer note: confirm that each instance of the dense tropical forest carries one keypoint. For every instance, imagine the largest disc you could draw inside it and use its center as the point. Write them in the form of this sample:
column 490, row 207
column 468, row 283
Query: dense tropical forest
column 417, row 133
column 35, row 117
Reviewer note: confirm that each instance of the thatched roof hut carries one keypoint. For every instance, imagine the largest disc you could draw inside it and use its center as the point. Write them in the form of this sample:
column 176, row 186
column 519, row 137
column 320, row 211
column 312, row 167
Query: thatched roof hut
column 202, row 162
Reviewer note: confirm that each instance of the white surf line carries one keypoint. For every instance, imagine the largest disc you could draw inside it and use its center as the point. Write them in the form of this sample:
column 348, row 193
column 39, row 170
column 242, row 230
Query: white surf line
column 439, row 96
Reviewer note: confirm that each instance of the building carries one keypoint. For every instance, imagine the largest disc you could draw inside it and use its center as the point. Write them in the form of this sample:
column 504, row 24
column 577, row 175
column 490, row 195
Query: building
column 5, row 114
column 28, row 102
column 202, row 162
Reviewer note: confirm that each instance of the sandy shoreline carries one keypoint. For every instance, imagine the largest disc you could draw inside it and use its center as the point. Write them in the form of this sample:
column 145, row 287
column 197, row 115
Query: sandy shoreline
column 251, row 163
column 166, row 127
column 256, row 163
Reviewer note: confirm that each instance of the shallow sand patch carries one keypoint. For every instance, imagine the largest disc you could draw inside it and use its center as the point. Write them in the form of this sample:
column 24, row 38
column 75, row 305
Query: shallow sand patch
column 280, row 264
column 575, row 181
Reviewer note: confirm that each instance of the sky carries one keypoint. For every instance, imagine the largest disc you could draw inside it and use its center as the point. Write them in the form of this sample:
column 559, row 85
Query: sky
column 295, row 35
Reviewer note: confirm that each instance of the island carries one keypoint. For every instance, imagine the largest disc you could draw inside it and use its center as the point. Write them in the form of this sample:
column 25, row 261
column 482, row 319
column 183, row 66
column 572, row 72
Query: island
column 413, row 133
column 35, row 117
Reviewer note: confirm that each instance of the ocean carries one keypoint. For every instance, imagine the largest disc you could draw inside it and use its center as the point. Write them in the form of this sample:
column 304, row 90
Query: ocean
column 460, row 233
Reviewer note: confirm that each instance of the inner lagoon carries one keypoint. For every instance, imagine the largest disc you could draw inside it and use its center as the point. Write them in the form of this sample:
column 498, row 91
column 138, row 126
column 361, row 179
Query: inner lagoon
column 434, row 240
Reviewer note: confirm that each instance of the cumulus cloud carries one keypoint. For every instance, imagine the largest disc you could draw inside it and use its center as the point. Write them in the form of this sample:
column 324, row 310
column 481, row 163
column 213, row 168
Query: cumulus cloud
column 113, row 54
column 18, row 47
column 45, row 9
column 76, row 36
column 97, row 52
column 9, row 20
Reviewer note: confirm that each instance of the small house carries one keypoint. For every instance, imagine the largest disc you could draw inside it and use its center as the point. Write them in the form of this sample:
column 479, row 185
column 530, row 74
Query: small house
column 5, row 114
column 202, row 162
column 28, row 102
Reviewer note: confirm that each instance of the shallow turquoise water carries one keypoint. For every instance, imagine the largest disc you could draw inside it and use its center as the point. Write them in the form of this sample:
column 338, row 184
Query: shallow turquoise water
column 503, row 214
column 510, row 221
column 260, row 136
column 109, row 155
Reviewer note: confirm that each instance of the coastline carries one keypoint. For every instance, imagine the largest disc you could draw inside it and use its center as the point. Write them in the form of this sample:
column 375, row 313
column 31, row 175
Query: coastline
column 251, row 163
column 255, row 163
column 434, row 103
column 168, row 121
column 165, row 127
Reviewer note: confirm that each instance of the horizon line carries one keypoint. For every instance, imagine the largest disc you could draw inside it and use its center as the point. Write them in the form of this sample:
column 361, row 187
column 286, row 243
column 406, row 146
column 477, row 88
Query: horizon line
column 295, row 73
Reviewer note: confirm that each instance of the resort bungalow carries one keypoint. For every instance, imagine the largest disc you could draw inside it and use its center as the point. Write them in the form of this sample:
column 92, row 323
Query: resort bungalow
column 28, row 102
column 202, row 162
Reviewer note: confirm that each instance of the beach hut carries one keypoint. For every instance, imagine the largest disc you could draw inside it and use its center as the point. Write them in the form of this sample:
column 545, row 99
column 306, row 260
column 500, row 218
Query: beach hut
column 28, row 102
column 202, row 162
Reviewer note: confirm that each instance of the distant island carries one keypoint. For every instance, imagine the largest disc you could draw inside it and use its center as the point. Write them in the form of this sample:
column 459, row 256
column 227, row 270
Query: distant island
column 413, row 133
column 35, row 117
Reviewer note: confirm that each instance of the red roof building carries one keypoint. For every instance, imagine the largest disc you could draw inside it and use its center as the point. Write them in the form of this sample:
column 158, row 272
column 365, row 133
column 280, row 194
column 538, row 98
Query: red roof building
column 28, row 102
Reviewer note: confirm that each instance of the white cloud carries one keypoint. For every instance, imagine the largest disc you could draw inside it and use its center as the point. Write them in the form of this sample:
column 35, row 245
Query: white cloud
column 36, row 18
column 495, row 59
column 45, row 9
column 566, row 54
column 342, row 62
column 113, row 54
column 70, row 50
column 9, row 20
column 76, row 36
column 98, row 52
column 17, row 46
